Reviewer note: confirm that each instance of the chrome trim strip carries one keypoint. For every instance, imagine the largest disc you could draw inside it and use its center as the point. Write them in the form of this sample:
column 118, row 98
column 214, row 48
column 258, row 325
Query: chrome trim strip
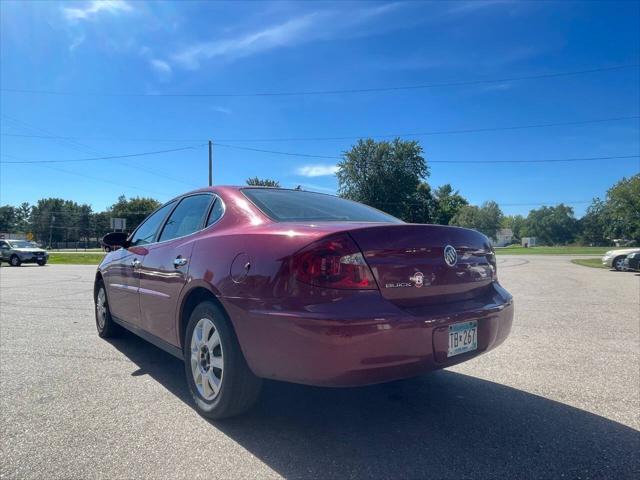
column 153, row 293
column 124, row 287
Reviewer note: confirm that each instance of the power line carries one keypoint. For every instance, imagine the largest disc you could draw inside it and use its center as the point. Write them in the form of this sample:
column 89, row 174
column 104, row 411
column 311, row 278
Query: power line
column 328, row 92
column 435, row 132
column 547, row 160
column 119, row 139
column 104, row 180
column 333, row 157
column 85, row 148
column 109, row 157
column 291, row 154
column 307, row 155
column 347, row 137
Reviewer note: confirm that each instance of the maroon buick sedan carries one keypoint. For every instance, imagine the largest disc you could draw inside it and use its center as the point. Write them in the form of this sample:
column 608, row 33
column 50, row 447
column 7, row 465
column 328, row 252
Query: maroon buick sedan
column 248, row 283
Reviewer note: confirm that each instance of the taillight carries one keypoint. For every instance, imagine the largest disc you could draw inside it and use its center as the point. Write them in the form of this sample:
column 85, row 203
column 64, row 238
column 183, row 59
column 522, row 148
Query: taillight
column 491, row 258
column 334, row 262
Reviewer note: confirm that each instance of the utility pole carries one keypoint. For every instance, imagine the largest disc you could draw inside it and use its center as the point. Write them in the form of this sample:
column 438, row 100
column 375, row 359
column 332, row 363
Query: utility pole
column 210, row 163
column 53, row 219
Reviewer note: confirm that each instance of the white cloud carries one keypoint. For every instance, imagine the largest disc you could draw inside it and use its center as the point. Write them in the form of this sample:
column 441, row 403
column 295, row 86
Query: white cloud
column 317, row 170
column 160, row 66
column 276, row 36
column 474, row 6
column 497, row 87
column 76, row 42
column 220, row 109
column 94, row 8
column 323, row 24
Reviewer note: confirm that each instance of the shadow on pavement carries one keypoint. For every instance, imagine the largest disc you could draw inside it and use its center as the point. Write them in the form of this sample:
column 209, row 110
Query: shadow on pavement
column 443, row 425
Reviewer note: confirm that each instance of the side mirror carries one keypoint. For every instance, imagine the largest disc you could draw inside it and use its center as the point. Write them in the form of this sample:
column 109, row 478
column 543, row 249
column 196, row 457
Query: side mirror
column 115, row 240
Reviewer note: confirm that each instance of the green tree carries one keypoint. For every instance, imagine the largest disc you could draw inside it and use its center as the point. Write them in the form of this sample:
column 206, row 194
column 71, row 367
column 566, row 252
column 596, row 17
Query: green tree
column 134, row 209
column 486, row 218
column 385, row 175
column 49, row 215
column 62, row 218
column 100, row 224
column 447, row 203
column 83, row 222
column 262, row 182
column 593, row 225
column 516, row 223
column 552, row 225
column 8, row 218
column 623, row 209
column 423, row 208
column 23, row 217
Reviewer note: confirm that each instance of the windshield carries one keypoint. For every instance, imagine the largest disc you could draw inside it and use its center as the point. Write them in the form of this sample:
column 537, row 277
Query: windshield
column 300, row 206
column 22, row 244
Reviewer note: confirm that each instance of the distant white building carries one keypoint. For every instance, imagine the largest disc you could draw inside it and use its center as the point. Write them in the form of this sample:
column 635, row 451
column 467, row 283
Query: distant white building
column 529, row 241
column 504, row 237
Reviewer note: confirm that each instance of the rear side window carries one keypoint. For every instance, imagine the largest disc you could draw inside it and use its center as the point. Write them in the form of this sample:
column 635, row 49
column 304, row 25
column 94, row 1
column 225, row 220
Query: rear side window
column 187, row 217
column 216, row 212
column 296, row 205
column 146, row 233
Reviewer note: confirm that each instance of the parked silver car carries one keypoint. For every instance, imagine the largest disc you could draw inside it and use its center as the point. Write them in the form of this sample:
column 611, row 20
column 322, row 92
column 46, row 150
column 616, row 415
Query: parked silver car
column 17, row 252
column 615, row 258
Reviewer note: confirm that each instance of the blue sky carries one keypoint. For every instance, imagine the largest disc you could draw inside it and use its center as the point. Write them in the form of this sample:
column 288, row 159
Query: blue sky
column 87, row 51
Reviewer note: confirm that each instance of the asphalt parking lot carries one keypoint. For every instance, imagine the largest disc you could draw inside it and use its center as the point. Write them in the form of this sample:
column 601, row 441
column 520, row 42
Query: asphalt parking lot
column 561, row 398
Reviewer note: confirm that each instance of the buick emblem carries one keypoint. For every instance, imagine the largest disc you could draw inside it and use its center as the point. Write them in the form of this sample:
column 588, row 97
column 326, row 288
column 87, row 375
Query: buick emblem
column 417, row 279
column 450, row 255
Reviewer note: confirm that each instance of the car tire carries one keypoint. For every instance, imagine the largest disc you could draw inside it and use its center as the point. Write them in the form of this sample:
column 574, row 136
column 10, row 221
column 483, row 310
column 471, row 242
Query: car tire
column 219, row 379
column 15, row 261
column 618, row 263
column 104, row 322
column 42, row 263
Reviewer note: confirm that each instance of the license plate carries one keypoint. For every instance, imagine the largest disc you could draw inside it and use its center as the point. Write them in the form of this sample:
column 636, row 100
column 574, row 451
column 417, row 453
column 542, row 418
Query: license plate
column 463, row 337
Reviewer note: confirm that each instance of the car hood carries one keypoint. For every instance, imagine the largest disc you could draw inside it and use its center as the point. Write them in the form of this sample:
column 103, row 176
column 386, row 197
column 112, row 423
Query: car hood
column 624, row 251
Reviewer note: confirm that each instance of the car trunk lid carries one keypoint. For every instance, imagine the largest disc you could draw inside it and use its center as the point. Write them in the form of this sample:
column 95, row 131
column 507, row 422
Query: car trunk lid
column 421, row 264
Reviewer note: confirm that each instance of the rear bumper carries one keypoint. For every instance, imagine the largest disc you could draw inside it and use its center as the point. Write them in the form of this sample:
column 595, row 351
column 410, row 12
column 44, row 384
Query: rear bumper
column 362, row 339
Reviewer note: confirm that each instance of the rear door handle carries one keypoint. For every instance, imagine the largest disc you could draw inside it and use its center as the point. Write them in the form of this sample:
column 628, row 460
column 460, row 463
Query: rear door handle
column 180, row 262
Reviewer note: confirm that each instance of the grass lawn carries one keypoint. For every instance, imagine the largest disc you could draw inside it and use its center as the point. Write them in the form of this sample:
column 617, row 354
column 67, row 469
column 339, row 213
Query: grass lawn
column 589, row 262
column 57, row 258
column 552, row 250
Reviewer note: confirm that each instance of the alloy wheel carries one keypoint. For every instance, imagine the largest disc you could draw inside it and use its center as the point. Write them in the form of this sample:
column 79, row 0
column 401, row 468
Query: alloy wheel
column 101, row 308
column 619, row 264
column 206, row 359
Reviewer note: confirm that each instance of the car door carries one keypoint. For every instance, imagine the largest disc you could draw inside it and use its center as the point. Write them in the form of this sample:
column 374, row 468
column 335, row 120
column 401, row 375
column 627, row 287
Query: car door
column 121, row 274
column 165, row 266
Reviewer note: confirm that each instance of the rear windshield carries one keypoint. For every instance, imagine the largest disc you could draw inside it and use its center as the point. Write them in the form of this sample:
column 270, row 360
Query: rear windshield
column 301, row 206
